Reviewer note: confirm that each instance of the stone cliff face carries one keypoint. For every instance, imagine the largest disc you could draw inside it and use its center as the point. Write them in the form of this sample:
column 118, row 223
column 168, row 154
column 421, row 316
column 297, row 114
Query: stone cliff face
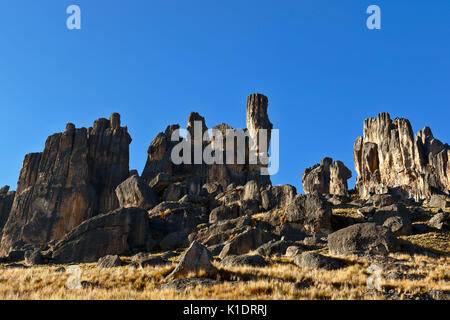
column 73, row 179
column 388, row 158
column 328, row 177
column 6, row 201
column 193, row 176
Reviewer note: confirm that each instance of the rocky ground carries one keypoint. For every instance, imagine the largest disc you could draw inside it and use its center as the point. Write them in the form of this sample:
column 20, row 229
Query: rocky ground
column 302, row 269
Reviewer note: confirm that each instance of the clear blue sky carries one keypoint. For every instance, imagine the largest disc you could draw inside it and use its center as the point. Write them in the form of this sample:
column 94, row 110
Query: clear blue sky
column 155, row 61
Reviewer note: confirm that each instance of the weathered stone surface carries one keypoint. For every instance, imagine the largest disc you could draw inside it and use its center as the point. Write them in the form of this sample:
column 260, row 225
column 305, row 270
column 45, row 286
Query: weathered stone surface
column 169, row 217
column 314, row 260
column 311, row 211
column 388, row 159
column 175, row 192
column 115, row 233
column 380, row 200
column 6, row 202
column 222, row 231
column 293, row 251
column 328, row 177
column 161, row 181
column 250, row 260
column 273, row 248
column 134, row 192
column 224, row 213
column 72, row 180
column 197, row 258
column 277, row 197
column 362, row 238
column 245, row 242
column 439, row 201
column 109, row 261
column 440, row 221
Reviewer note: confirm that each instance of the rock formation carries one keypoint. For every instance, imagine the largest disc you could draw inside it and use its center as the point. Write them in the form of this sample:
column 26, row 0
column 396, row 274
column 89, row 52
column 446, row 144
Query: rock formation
column 195, row 174
column 72, row 180
column 328, row 177
column 6, row 201
column 388, row 159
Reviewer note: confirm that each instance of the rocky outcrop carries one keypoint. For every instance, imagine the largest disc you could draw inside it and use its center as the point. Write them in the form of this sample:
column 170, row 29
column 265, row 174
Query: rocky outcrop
column 117, row 233
column 389, row 159
column 193, row 172
column 6, row 202
column 72, row 180
column 361, row 239
column 328, row 177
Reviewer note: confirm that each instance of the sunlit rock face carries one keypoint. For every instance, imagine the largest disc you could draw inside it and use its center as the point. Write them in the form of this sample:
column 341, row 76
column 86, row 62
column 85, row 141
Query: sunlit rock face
column 388, row 158
column 73, row 179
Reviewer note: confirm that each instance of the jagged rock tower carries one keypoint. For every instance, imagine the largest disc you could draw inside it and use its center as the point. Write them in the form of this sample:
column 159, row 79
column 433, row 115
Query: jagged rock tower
column 389, row 159
column 72, row 180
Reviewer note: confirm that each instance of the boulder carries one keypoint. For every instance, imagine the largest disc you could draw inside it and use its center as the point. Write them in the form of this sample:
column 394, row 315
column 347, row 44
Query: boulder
column 439, row 201
column 196, row 259
column 314, row 260
column 273, row 248
column 250, row 260
column 134, row 192
column 72, row 180
column 396, row 218
column 161, row 182
column 380, row 200
column 245, row 242
column 440, row 221
column 251, row 191
column 293, row 251
column 362, row 238
column 109, row 261
column 311, row 211
column 222, row 231
column 115, row 233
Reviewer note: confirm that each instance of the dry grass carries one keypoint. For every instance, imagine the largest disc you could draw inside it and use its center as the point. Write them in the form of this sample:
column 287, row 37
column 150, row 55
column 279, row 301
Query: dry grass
column 281, row 280
column 437, row 242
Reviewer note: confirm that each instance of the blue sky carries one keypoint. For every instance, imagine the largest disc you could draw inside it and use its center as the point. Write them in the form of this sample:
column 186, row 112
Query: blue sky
column 156, row 61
